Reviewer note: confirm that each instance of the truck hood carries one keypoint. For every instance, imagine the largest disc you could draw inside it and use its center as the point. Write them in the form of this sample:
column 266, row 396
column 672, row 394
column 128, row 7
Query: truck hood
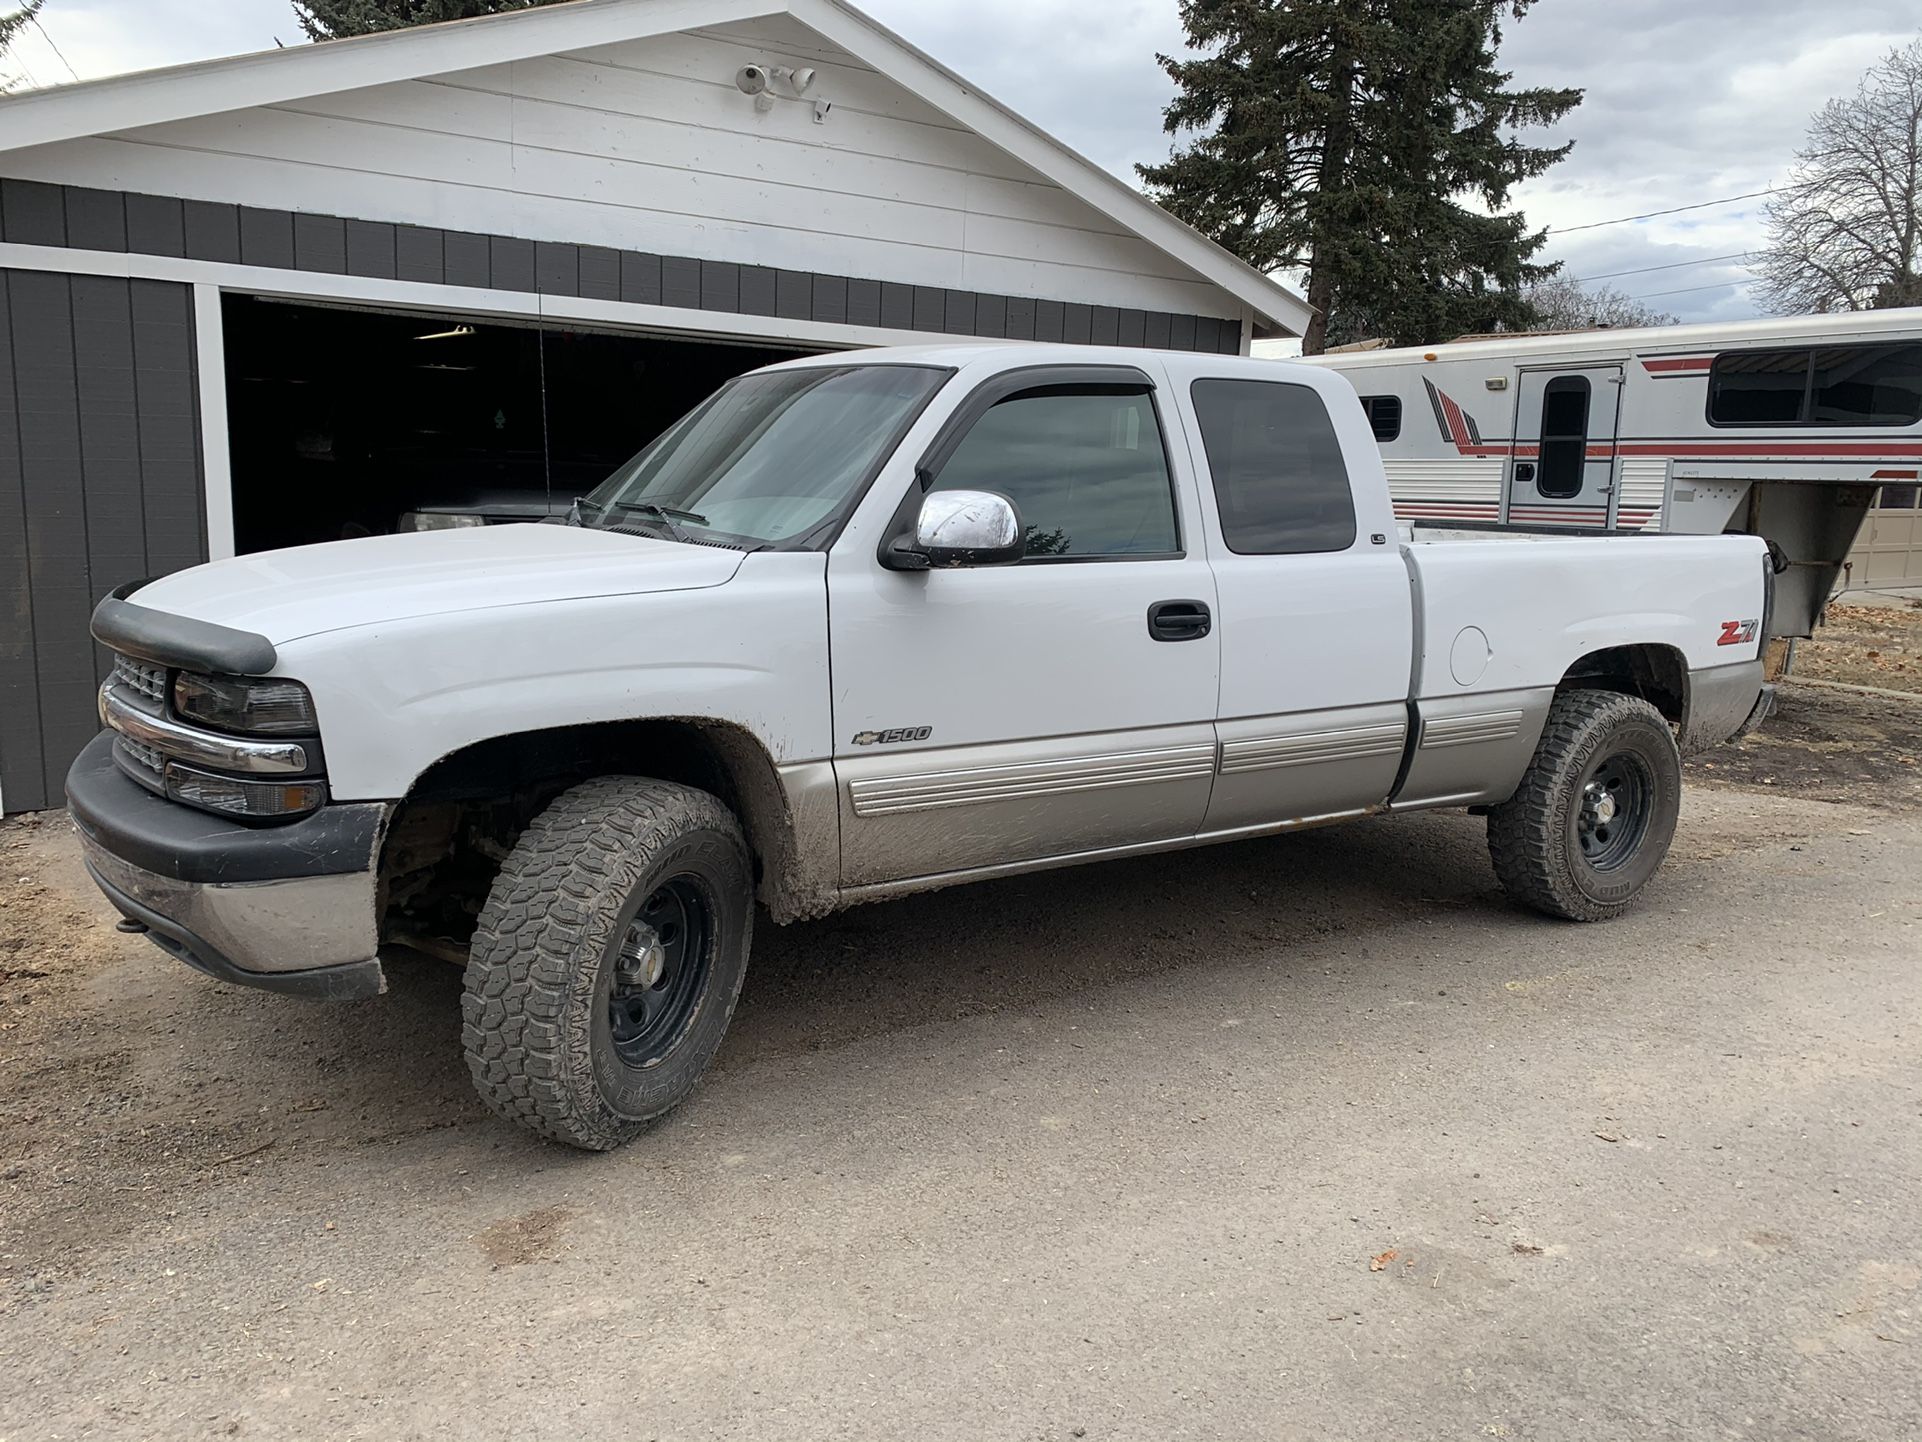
column 305, row 590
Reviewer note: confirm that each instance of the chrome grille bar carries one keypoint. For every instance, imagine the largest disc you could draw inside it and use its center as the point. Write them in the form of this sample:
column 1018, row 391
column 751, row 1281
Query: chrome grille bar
column 171, row 739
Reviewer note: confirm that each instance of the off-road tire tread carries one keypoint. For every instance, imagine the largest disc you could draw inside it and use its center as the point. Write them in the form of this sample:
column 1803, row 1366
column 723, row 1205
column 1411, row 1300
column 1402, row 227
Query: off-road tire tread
column 1523, row 840
column 561, row 888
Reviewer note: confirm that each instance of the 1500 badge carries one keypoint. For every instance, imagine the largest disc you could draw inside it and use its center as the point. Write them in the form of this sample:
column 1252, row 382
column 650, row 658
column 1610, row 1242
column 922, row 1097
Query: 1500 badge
column 899, row 733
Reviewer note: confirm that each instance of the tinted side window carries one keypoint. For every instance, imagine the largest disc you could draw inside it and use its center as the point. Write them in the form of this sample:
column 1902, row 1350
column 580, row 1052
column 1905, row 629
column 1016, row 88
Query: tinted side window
column 1084, row 467
column 1758, row 387
column 1843, row 385
column 1384, row 416
column 1280, row 480
column 1867, row 386
column 1564, row 437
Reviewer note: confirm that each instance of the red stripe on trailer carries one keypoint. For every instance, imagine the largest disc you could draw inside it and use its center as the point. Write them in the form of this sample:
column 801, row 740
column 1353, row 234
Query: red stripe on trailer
column 1457, row 426
column 1762, row 450
column 1737, row 450
column 1892, row 475
column 1668, row 365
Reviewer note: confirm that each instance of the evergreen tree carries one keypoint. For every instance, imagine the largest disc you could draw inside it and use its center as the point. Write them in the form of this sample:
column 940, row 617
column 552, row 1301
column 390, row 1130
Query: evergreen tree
column 337, row 19
column 1343, row 138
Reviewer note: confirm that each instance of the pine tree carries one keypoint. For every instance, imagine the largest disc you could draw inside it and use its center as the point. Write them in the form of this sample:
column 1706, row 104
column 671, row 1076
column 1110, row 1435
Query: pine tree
column 1343, row 138
column 337, row 19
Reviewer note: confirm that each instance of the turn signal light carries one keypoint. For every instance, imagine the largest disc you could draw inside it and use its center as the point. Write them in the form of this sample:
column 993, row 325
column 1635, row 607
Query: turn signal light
column 237, row 797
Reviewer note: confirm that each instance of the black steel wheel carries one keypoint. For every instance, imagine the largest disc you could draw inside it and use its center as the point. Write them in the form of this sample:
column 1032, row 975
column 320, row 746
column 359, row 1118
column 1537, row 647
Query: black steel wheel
column 607, row 960
column 1595, row 812
column 660, row 971
column 1617, row 796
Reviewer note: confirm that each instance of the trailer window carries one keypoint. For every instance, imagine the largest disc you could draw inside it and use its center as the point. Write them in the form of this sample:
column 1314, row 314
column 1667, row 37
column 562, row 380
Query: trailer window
column 1846, row 385
column 1758, row 388
column 1280, row 481
column 1866, row 386
column 1384, row 416
column 1564, row 437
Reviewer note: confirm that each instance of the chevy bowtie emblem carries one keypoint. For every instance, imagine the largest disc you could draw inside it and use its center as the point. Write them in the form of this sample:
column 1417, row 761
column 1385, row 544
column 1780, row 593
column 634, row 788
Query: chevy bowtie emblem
column 899, row 733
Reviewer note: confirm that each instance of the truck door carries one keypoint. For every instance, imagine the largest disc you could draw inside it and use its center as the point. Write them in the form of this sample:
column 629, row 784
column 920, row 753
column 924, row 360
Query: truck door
column 1060, row 705
column 1317, row 627
column 1561, row 465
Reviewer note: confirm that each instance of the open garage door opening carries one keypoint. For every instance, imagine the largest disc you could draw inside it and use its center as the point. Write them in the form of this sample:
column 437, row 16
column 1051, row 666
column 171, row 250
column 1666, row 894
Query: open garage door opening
column 350, row 422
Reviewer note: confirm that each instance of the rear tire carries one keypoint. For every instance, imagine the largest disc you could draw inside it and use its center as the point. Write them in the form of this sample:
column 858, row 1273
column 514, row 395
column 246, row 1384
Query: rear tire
column 607, row 959
column 1596, row 810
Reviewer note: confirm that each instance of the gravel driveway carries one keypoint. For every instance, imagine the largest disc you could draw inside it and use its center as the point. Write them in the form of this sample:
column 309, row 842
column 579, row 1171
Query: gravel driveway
column 1315, row 1136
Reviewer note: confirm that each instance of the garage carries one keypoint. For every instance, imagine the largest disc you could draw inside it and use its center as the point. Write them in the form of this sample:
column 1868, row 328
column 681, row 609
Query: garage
column 349, row 422
column 454, row 275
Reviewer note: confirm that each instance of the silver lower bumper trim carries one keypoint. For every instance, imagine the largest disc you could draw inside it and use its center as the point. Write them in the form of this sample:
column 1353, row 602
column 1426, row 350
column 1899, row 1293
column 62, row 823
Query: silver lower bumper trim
column 271, row 927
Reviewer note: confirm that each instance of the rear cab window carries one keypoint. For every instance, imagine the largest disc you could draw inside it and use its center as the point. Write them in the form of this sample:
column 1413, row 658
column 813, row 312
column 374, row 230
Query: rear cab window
column 1281, row 482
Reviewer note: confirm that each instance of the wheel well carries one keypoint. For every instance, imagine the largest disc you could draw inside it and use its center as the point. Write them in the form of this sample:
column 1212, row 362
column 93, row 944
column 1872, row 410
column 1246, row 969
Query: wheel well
column 463, row 814
column 1657, row 674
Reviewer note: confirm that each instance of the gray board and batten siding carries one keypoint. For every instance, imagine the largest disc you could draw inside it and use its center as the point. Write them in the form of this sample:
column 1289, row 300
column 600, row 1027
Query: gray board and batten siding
column 80, row 218
column 100, row 483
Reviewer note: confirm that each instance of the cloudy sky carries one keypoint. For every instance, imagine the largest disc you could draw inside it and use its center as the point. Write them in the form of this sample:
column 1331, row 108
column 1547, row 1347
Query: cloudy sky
column 1685, row 103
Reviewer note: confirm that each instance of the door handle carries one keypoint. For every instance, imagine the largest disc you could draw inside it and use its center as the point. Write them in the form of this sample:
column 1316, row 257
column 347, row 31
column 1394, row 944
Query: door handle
column 1179, row 620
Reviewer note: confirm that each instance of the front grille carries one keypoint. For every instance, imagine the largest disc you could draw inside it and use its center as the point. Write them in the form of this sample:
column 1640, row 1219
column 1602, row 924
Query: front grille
column 142, row 762
column 142, row 678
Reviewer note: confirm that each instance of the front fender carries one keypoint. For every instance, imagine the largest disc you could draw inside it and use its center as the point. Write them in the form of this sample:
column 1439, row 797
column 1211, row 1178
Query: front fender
column 394, row 698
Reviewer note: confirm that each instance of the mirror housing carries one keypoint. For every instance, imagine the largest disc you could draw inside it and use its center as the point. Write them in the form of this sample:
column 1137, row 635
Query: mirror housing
column 960, row 528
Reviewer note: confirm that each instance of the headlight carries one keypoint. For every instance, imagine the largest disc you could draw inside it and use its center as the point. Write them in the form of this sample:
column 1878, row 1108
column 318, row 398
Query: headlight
column 267, row 707
column 236, row 797
column 437, row 521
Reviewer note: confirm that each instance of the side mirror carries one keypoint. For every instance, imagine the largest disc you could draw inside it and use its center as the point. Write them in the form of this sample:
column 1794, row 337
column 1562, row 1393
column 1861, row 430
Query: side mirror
column 960, row 528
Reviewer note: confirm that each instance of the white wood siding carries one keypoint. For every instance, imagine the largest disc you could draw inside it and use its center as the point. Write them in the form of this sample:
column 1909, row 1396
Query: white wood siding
column 648, row 145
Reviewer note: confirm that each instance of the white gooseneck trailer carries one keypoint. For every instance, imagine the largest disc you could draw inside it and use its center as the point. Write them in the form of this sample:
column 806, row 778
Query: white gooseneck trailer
column 1779, row 428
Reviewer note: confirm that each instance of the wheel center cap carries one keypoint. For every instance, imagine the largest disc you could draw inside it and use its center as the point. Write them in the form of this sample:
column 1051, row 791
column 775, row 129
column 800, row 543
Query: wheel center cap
column 1605, row 806
column 653, row 963
column 644, row 960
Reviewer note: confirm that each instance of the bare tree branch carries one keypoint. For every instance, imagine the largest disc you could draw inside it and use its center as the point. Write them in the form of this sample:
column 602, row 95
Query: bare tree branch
column 1564, row 304
column 1845, row 229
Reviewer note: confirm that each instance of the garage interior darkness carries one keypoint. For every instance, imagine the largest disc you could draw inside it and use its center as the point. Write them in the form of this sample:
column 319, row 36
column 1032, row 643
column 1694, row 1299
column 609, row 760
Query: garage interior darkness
column 342, row 420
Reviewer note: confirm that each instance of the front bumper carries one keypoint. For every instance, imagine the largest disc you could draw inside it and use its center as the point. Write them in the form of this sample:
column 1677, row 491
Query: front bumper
column 287, row 908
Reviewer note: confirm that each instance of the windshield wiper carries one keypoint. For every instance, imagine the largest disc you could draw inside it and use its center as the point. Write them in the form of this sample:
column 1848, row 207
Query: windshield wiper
column 666, row 515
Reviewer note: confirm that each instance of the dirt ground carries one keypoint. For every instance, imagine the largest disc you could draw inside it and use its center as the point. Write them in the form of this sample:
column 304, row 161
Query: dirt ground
column 1303, row 1137
column 1866, row 646
column 1833, row 743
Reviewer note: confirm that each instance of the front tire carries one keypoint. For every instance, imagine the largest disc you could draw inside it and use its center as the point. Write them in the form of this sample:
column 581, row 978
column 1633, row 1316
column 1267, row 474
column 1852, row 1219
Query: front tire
column 1596, row 809
column 607, row 959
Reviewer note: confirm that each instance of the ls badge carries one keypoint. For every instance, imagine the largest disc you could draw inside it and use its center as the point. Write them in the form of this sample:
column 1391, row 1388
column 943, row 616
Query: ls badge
column 899, row 733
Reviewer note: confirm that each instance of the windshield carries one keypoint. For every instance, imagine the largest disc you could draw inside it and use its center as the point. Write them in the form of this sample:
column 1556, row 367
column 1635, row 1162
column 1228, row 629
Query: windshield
column 768, row 458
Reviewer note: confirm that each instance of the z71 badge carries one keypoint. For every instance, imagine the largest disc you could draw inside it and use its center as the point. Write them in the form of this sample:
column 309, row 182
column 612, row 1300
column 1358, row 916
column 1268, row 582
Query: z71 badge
column 1736, row 633
column 899, row 733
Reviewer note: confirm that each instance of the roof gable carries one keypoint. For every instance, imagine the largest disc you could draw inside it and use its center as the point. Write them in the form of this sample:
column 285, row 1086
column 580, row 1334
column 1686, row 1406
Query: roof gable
column 1125, row 229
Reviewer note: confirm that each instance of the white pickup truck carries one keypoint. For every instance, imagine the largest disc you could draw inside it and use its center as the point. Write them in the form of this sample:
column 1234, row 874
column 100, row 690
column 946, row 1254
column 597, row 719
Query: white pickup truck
column 858, row 626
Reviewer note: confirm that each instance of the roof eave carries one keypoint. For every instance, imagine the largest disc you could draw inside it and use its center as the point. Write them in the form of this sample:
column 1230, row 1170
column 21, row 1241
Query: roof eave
column 274, row 77
column 949, row 93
